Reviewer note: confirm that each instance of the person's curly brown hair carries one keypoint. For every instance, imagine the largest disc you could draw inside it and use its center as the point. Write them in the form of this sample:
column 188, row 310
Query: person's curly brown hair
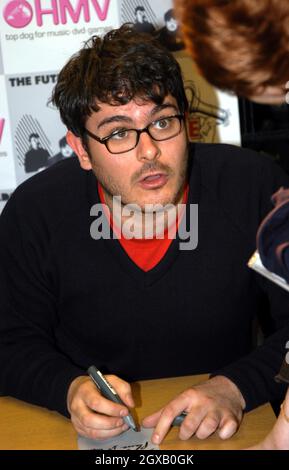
column 121, row 66
column 238, row 45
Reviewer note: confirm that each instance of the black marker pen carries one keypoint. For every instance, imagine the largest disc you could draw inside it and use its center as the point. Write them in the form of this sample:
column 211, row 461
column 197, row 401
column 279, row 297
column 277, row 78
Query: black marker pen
column 108, row 392
column 179, row 419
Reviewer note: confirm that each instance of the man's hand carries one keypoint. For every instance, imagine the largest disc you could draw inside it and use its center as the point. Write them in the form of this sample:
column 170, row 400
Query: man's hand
column 214, row 404
column 94, row 416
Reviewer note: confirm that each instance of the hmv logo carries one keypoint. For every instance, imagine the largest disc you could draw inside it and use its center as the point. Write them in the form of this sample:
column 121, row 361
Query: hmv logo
column 19, row 13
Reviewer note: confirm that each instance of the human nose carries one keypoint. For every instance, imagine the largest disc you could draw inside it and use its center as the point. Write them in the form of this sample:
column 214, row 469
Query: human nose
column 147, row 148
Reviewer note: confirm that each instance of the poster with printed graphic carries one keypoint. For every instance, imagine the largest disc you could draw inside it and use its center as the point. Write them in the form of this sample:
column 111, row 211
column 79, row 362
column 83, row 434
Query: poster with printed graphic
column 37, row 129
column 7, row 167
column 213, row 115
column 38, row 36
column 156, row 18
column 4, row 196
column 1, row 61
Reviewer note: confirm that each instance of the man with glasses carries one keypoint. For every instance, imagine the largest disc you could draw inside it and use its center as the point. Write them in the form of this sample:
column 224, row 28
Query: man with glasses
column 137, row 307
column 127, row 139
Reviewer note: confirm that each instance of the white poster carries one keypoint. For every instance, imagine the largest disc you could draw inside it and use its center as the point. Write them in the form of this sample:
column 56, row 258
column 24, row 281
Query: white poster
column 7, row 169
column 155, row 18
column 213, row 114
column 40, row 35
column 37, row 128
column 1, row 61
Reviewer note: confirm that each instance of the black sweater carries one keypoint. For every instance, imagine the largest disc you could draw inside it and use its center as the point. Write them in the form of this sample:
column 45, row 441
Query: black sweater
column 69, row 301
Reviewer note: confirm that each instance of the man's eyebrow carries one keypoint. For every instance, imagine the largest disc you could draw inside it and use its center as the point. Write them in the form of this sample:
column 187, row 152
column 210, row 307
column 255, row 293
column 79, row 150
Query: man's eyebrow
column 160, row 107
column 122, row 118
column 118, row 118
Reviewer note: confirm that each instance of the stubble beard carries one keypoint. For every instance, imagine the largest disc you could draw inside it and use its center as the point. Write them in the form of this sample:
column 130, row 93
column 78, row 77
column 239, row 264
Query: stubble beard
column 112, row 189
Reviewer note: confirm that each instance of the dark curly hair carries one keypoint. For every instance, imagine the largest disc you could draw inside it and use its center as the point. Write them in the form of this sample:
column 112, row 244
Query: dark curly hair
column 115, row 69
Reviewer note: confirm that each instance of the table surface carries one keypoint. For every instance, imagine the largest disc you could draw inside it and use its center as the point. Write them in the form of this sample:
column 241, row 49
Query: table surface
column 25, row 426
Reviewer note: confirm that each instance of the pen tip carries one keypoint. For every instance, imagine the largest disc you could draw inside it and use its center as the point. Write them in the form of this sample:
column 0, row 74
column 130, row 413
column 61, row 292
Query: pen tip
column 137, row 428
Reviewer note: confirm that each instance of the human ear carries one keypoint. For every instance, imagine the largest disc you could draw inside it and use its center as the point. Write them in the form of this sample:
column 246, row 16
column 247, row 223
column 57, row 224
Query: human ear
column 78, row 148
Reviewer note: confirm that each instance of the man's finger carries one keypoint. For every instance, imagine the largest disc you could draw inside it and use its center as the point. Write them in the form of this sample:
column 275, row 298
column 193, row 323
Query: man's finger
column 228, row 427
column 97, row 421
column 189, row 426
column 102, row 434
column 84, row 416
column 175, row 408
column 151, row 421
column 99, row 404
column 123, row 389
column 208, row 426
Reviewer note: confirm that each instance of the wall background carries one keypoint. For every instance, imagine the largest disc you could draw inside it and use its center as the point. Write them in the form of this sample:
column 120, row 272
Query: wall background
column 38, row 36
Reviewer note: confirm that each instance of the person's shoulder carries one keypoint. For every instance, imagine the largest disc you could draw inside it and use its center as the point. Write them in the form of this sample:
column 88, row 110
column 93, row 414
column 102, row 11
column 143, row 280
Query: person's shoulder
column 55, row 159
column 239, row 181
column 220, row 162
column 56, row 186
column 218, row 155
column 64, row 173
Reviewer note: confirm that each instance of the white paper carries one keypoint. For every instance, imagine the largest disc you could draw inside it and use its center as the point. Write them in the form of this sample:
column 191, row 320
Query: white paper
column 129, row 440
column 256, row 264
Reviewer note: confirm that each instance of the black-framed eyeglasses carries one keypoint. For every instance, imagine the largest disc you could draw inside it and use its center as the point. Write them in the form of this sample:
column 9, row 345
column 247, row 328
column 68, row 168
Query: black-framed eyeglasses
column 124, row 140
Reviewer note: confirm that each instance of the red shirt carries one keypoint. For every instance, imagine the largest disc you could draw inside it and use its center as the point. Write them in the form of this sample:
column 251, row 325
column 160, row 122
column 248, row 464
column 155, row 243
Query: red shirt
column 145, row 253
